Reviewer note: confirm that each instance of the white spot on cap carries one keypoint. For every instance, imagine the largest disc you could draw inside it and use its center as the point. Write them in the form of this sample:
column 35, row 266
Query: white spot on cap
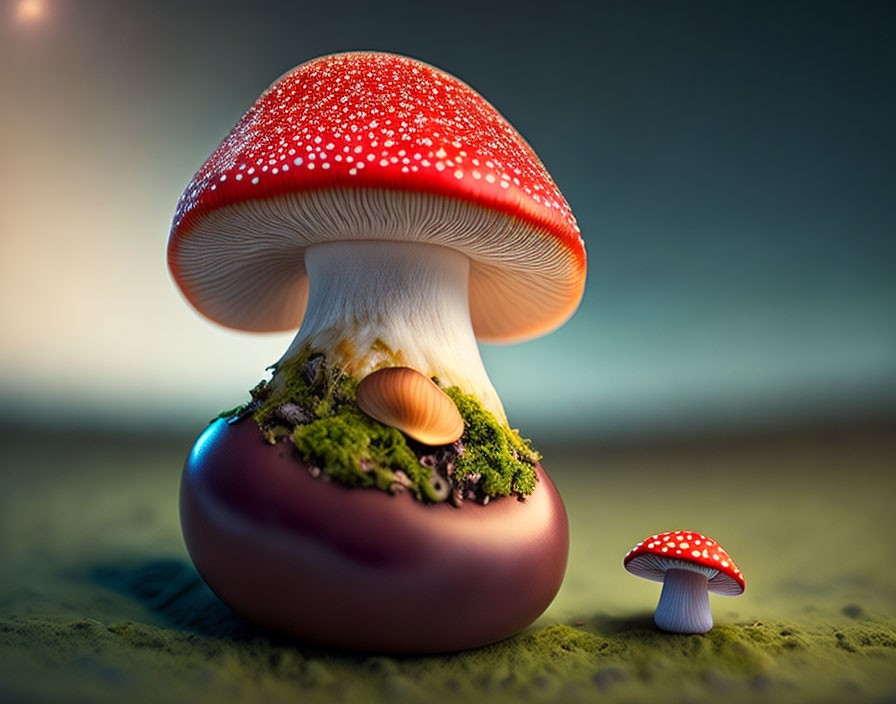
column 297, row 161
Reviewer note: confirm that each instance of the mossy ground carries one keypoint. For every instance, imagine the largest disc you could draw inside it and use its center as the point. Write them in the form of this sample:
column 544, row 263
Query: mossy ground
column 599, row 661
column 99, row 602
column 313, row 403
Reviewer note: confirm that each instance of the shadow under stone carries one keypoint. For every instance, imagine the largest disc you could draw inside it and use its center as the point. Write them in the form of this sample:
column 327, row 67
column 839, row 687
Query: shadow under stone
column 174, row 590
column 605, row 625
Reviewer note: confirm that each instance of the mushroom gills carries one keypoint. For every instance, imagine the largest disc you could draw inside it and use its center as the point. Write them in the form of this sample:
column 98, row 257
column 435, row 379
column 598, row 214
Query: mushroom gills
column 405, row 399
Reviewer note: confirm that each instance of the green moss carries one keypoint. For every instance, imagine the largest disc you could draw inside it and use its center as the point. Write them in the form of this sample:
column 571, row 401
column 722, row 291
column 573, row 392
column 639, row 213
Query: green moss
column 230, row 412
column 497, row 453
column 314, row 404
column 358, row 451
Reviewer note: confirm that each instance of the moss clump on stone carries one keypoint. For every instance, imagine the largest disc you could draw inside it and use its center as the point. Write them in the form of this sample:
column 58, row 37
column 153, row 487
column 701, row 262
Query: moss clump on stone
column 313, row 404
column 498, row 454
column 358, row 451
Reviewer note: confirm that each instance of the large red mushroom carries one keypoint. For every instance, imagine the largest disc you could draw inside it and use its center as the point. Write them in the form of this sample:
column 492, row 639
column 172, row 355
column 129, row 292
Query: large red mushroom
column 394, row 215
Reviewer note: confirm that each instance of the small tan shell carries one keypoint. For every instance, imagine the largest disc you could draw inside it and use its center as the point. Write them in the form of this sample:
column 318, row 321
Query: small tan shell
column 409, row 401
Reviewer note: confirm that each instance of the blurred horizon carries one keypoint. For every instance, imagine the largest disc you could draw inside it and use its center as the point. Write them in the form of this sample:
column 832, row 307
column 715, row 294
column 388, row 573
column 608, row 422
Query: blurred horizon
column 732, row 168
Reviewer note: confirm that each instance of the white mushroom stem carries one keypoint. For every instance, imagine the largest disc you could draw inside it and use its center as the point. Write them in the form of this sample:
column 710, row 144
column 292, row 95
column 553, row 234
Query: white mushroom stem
column 684, row 603
column 386, row 303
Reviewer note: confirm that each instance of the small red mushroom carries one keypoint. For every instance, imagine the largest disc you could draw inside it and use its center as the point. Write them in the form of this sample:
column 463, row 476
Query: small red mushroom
column 689, row 565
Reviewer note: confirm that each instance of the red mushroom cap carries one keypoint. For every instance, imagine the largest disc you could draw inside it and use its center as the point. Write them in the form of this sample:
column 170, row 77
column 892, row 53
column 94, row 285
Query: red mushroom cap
column 375, row 146
column 685, row 546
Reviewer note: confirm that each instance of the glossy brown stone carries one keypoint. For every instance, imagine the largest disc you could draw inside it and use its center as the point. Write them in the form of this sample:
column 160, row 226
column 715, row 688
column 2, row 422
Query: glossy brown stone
column 359, row 568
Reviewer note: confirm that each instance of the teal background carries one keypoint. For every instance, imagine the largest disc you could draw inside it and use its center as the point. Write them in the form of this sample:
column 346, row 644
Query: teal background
column 731, row 166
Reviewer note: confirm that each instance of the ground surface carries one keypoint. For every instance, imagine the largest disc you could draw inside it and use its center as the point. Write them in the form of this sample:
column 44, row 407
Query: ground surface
column 99, row 602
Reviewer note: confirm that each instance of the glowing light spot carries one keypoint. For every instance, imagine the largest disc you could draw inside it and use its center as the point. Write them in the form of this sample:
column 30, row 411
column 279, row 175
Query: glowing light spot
column 30, row 11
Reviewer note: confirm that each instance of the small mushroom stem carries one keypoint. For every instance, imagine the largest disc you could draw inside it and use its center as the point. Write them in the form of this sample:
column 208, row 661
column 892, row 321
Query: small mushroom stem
column 684, row 603
column 388, row 303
